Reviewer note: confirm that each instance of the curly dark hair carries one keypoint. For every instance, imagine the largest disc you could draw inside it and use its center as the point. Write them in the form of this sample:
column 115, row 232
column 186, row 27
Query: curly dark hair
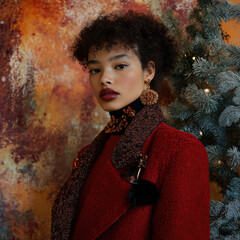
column 131, row 30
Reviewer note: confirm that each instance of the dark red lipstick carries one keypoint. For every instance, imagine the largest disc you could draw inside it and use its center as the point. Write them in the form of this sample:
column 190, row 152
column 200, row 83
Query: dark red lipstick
column 108, row 94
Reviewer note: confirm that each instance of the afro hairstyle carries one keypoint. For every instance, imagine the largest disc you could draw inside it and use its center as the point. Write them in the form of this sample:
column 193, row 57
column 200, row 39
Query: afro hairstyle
column 132, row 30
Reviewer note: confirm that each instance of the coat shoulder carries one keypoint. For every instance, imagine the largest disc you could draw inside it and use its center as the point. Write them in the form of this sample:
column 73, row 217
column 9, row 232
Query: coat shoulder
column 169, row 135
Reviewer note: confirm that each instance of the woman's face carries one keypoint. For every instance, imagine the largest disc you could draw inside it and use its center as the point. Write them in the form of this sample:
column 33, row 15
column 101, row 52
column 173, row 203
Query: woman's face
column 116, row 77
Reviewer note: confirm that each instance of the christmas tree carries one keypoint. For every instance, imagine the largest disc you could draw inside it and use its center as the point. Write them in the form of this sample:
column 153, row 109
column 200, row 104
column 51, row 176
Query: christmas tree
column 207, row 84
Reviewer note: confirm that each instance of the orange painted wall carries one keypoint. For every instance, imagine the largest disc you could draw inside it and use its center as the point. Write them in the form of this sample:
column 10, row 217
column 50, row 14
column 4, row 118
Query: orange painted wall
column 233, row 29
column 47, row 110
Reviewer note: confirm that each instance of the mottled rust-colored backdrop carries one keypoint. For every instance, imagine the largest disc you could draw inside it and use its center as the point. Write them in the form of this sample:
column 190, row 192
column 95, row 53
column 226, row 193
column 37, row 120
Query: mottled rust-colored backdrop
column 47, row 110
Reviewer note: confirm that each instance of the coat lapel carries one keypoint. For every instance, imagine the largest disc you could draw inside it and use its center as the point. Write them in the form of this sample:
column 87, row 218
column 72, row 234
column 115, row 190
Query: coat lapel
column 102, row 208
column 131, row 143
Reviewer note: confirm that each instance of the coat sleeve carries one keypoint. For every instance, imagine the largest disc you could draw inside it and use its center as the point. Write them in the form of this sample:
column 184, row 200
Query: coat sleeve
column 182, row 210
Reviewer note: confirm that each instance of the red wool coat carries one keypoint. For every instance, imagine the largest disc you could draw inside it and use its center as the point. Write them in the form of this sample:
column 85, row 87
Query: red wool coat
column 177, row 164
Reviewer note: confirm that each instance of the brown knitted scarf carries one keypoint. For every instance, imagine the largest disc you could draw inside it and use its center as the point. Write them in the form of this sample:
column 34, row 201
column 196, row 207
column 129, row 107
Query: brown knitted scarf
column 64, row 211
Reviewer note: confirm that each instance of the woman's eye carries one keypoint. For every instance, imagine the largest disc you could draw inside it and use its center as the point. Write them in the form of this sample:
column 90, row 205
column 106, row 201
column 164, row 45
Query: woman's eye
column 93, row 71
column 121, row 66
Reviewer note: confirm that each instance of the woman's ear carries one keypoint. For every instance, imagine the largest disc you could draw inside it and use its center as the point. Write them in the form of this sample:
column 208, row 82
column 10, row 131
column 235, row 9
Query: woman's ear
column 149, row 72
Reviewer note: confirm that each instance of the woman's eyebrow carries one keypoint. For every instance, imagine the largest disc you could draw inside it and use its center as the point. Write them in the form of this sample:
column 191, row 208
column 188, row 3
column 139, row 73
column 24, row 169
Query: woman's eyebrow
column 92, row 62
column 118, row 56
column 110, row 59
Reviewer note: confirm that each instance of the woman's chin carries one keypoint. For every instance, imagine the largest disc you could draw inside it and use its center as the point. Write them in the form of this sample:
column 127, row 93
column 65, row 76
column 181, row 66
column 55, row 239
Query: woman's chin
column 109, row 106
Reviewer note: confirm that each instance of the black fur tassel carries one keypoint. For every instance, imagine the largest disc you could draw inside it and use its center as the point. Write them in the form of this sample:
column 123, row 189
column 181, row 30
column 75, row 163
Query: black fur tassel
column 142, row 192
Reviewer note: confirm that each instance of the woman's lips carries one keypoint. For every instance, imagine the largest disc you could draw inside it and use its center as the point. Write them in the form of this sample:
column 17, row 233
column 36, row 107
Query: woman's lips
column 108, row 94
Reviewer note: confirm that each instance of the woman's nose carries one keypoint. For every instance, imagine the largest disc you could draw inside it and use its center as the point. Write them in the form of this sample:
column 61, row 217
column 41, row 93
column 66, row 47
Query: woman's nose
column 106, row 78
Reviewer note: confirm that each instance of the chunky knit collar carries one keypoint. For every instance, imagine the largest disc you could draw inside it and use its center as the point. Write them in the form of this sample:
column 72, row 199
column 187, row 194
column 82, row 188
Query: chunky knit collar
column 120, row 119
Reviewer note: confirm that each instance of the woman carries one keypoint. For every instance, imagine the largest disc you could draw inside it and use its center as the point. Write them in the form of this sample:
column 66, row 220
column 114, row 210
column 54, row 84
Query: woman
column 139, row 178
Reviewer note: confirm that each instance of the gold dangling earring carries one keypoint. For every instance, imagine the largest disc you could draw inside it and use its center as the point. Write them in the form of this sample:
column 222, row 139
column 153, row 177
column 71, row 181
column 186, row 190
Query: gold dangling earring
column 149, row 96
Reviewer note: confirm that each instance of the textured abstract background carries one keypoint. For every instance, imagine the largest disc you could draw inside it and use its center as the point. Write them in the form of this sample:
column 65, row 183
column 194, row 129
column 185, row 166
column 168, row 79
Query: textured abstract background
column 47, row 110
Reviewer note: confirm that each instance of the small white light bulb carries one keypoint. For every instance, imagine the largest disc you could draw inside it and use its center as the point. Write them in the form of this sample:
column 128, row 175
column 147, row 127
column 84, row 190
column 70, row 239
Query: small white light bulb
column 206, row 90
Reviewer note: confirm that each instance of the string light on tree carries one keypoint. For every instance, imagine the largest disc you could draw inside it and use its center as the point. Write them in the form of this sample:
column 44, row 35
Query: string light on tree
column 207, row 90
column 193, row 58
column 218, row 163
column 201, row 133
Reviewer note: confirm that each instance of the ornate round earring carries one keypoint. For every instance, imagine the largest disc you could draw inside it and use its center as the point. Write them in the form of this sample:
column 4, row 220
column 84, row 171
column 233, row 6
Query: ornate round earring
column 149, row 96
